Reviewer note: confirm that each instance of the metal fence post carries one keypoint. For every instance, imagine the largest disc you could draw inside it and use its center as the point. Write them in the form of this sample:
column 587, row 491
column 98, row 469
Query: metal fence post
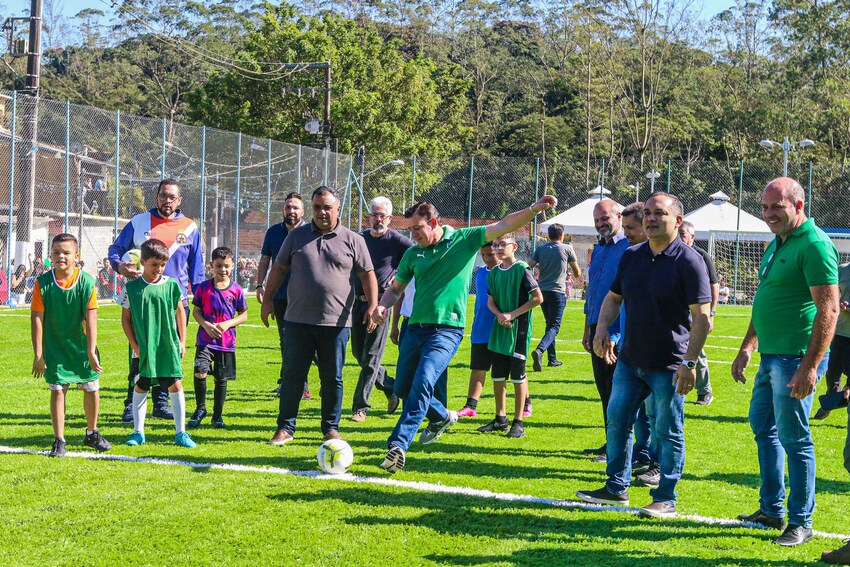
column 9, row 210
column 809, row 193
column 117, row 187
column 67, row 162
column 203, row 182
column 469, row 198
column 325, row 175
column 602, row 181
column 737, row 234
column 536, row 197
column 298, row 180
column 268, row 183
column 413, row 184
column 162, row 156
column 238, row 188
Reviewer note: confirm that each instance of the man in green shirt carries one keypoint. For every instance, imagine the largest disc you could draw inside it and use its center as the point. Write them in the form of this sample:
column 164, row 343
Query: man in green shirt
column 442, row 263
column 793, row 319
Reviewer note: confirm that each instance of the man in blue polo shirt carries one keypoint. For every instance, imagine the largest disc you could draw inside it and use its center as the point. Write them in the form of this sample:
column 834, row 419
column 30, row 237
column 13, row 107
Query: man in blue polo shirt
column 664, row 284
column 603, row 265
column 793, row 319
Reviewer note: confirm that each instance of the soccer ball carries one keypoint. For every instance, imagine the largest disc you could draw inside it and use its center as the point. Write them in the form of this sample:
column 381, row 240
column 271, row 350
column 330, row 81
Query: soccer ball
column 135, row 256
column 335, row 456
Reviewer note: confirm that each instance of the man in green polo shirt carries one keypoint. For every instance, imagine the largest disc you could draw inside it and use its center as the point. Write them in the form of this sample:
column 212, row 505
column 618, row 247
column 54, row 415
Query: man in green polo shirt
column 793, row 320
column 441, row 261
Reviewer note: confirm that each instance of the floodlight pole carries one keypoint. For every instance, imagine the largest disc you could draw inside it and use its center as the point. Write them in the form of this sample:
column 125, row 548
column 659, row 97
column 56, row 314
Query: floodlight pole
column 787, row 145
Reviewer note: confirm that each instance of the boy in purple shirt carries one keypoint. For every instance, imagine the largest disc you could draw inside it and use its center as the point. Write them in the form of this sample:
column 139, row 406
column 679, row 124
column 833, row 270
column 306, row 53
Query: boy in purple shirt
column 219, row 306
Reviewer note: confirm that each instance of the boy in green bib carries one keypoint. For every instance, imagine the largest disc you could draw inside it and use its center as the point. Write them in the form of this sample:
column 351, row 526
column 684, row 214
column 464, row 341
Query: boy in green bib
column 64, row 340
column 154, row 320
column 512, row 294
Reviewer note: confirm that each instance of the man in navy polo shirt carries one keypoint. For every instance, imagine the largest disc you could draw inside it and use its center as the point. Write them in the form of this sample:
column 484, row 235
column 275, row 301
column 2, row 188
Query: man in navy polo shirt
column 603, row 265
column 293, row 217
column 664, row 284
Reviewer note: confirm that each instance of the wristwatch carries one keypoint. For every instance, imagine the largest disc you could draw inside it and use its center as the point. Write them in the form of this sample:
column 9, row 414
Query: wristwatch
column 712, row 312
column 689, row 363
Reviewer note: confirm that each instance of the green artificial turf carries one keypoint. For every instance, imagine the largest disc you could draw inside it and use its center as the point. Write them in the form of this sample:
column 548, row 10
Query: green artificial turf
column 80, row 511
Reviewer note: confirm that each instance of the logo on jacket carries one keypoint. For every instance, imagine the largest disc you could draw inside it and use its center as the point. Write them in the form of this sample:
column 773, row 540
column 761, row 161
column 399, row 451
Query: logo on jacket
column 181, row 238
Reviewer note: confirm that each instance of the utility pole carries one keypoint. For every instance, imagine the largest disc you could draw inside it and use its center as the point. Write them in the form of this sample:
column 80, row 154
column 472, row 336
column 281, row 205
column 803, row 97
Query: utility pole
column 29, row 138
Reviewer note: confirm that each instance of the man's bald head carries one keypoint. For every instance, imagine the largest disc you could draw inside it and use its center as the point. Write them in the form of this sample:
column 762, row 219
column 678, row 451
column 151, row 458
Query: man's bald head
column 607, row 218
column 782, row 206
column 788, row 188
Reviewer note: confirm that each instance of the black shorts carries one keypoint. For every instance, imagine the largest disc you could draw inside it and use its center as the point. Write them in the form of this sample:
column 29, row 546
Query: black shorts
column 505, row 367
column 221, row 364
column 481, row 357
column 144, row 383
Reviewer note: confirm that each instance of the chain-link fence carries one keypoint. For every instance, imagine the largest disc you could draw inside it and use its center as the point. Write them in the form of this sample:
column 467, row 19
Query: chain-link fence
column 92, row 170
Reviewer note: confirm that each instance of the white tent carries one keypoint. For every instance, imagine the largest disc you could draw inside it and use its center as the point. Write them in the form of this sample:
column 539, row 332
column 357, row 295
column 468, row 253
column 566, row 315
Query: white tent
column 578, row 220
column 721, row 215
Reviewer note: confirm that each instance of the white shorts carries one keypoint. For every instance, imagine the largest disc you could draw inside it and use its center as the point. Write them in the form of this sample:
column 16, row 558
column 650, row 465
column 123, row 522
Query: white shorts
column 92, row 386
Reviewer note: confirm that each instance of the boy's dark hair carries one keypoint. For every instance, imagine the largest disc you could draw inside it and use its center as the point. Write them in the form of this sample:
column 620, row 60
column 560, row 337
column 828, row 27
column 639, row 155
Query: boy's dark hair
column 169, row 181
column 556, row 231
column 65, row 237
column 423, row 209
column 221, row 253
column 154, row 248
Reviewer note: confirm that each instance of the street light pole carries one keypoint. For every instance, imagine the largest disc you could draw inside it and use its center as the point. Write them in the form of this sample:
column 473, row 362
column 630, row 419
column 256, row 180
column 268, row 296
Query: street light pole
column 652, row 176
column 787, row 145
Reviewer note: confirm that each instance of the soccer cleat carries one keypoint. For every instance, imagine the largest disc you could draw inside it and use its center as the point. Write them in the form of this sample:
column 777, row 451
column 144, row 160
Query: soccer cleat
column 182, row 439
column 602, row 496
column 527, row 409
column 359, row 416
column 58, row 448
column 96, row 441
column 136, row 438
column 435, row 429
column 537, row 360
column 467, row 411
column 494, row 426
column 197, row 417
column 650, row 478
column 657, row 510
column 217, row 422
column 705, row 399
column 127, row 416
column 162, row 412
column 517, row 430
column 394, row 461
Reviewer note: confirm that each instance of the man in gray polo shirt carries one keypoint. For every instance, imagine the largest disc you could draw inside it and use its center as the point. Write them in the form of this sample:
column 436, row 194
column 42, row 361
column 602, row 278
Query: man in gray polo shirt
column 553, row 259
column 322, row 259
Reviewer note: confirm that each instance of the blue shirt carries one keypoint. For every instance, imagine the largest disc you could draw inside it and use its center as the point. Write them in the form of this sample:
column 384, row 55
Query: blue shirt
column 482, row 321
column 603, row 267
column 275, row 236
column 657, row 290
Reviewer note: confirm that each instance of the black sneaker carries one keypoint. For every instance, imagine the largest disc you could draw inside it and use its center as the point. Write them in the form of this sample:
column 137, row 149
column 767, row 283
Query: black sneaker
column 555, row 363
column 197, row 417
column 494, row 426
column 763, row 520
column 602, row 496
column 705, row 399
column 217, row 422
column 96, row 441
column 537, row 360
column 650, row 478
column 127, row 416
column 599, row 451
column 517, row 430
column 794, row 536
column 58, row 449
column 162, row 412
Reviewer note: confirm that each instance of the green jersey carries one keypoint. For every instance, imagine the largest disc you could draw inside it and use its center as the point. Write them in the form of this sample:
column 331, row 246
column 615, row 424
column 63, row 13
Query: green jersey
column 783, row 308
column 64, row 341
column 153, row 307
column 443, row 273
column 509, row 289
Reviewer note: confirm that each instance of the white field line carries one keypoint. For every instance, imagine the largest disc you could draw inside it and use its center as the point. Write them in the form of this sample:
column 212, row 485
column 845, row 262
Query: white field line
column 418, row 486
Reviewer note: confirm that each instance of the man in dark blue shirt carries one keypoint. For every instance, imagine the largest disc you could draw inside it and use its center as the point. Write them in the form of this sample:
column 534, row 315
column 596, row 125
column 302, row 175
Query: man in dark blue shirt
column 664, row 284
column 293, row 217
column 386, row 247
column 603, row 265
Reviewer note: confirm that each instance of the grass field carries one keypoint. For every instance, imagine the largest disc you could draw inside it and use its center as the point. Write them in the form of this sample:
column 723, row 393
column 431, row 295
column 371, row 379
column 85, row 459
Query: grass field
column 95, row 512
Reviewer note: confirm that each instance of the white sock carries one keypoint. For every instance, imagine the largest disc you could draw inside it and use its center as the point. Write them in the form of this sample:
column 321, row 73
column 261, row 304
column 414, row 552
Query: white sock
column 89, row 431
column 178, row 404
column 140, row 408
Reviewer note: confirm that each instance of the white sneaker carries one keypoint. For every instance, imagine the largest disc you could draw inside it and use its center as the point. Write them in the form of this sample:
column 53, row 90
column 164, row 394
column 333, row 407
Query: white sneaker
column 434, row 430
column 394, row 461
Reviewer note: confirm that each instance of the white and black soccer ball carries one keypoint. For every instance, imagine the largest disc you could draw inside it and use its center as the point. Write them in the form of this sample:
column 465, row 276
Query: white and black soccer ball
column 335, row 456
column 135, row 256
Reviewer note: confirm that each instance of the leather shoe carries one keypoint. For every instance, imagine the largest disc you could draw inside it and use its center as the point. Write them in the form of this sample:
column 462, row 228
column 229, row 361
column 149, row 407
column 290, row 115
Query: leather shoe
column 332, row 434
column 392, row 403
column 794, row 535
column 281, row 437
column 758, row 517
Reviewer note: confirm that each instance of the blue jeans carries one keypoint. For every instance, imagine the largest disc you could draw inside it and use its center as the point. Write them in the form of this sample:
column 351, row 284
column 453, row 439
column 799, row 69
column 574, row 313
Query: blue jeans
column 421, row 378
column 781, row 426
column 553, row 310
column 631, row 388
column 302, row 343
column 644, row 450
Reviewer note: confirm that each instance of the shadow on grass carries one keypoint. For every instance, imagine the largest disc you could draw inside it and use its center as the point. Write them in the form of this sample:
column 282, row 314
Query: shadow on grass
column 719, row 418
column 753, row 480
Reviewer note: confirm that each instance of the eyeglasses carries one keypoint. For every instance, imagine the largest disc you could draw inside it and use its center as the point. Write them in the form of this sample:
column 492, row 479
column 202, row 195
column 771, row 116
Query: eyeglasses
column 167, row 198
column 379, row 215
column 497, row 246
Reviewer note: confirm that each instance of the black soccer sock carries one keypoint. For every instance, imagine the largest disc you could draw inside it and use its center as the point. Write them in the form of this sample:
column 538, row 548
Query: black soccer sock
column 201, row 393
column 500, row 419
column 527, row 400
column 219, row 395
column 472, row 403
